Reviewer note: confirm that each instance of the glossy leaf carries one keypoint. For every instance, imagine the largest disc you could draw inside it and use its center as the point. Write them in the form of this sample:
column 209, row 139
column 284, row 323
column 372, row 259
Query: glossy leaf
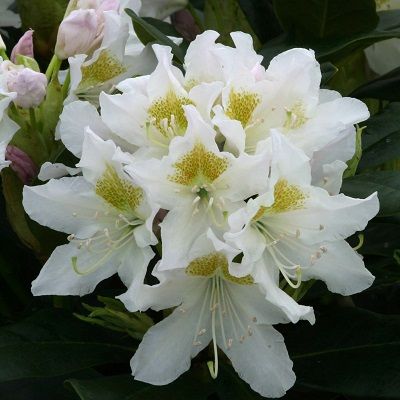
column 333, row 49
column 148, row 33
column 326, row 19
column 386, row 183
column 53, row 343
column 226, row 16
column 386, row 87
column 348, row 351
column 381, row 138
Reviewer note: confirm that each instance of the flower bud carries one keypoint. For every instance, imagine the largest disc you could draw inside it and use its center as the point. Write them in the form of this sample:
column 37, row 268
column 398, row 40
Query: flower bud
column 22, row 164
column 79, row 33
column 24, row 46
column 29, row 85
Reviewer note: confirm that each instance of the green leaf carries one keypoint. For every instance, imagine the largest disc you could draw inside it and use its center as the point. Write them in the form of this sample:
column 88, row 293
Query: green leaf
column 353, row 163
column 381, row 138
column 386, row 87
column 27, row 62
column 226, row 16
column 328, row 71
column 53, row 343
column 333, row 49
column 148, row 33
column 348, row 351
column 262, row 18
column 43, row 16
column 196, row 384
column 381, row 239
column 386, row 183
column 326, row 19
column 12, row 190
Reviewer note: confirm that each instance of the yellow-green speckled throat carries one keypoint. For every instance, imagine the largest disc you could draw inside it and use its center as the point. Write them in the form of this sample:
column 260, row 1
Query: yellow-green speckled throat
column 208, row 265
column 167, row 113
column 118, row 192
column 287, row 197
column 241, row 106
column 198, row 165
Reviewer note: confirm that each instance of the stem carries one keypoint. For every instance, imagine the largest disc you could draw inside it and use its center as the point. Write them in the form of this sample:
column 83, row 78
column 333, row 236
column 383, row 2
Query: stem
column 66, row 85
column 36, row 132
column 53, row 67
column 3, row 54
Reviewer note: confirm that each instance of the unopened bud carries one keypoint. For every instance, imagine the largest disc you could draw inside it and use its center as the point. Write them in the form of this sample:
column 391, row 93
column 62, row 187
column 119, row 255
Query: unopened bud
column 22, row 164
column 79, row 33
column 29, row 85
column 24, row 46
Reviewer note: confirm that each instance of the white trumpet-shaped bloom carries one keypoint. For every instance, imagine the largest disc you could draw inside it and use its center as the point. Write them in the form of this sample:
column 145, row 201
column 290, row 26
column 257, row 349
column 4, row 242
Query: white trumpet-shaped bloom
column 107, row 217
column 199, row 185
column 150, row 111
column 295, row 232
column 212, row 306
column 289, row 99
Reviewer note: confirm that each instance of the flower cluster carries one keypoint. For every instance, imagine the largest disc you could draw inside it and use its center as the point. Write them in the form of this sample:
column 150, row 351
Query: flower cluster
column 236, row 171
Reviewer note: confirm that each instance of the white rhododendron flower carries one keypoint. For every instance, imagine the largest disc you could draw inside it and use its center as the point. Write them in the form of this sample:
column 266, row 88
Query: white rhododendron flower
column 150, row 111
column 199, row 184
column 288, row 99
column 234, row 167
column 115, row 53
column 107, row 217
column 384, row 56
column 212, row 306
column 296, row 232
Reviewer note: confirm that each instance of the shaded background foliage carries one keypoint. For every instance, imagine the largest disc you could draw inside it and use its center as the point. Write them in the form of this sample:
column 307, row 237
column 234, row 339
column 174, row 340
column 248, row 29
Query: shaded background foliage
column 48, row 350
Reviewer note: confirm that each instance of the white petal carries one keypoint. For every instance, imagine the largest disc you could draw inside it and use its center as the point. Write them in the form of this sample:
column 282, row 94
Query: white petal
column 328, row 218
column 263, row 362
column 341, row 268
column 288, row 161
column 167, row 348
column 58, row 170
column 67, row 205
column 58, row 277
column 179, row 230
column 133, row 267
column 75, row 117
column 125, row 114
column 264, row 275
column 261, row 359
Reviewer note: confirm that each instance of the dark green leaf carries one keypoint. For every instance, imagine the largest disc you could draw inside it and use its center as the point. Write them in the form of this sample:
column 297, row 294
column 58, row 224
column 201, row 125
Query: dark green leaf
column 386, row 183
column 348, row 351
column 333, row 49
column 148, row 33
column 381, row 239
column 381, row 138
column 326, row 19
column 328, row 71
column 386, row 87
column 53, row 343
column 262, row 18
column 196, row 384
column 226, row 16
column 43, row 16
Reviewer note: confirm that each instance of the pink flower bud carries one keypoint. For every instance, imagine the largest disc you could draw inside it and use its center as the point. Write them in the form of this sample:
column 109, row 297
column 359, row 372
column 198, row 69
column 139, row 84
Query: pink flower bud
column 22, row 164
column 79, row 33
column 29, row 85
column 24, row 46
